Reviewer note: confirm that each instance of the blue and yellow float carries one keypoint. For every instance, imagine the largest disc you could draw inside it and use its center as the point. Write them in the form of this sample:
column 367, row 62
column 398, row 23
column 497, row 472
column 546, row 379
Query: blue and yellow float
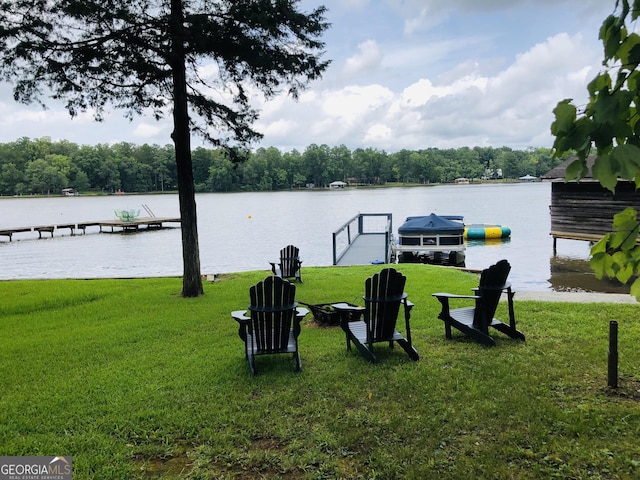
column 485, row 231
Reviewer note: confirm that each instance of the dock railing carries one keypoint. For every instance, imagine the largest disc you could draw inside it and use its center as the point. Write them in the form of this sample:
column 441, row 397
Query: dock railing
column 363, row 224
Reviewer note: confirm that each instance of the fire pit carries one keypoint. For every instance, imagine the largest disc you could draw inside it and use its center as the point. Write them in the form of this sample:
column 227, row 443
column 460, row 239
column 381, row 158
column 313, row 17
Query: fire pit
column 325, row 314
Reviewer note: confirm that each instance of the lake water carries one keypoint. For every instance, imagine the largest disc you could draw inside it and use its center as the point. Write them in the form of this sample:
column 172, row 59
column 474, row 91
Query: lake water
column 244, row 231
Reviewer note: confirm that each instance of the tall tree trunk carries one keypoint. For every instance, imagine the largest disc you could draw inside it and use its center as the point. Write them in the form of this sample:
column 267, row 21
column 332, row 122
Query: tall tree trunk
column 191, row 279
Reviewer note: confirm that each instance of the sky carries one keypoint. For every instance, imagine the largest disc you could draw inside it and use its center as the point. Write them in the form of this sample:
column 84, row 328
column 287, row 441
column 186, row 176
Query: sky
column 404, row 74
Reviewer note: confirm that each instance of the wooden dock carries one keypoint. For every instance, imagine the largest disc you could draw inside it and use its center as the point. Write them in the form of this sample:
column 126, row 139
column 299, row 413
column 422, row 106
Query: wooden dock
column 112, row 225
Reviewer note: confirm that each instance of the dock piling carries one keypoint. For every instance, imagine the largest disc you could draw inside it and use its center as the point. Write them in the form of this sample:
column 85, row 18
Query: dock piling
column 612, row 376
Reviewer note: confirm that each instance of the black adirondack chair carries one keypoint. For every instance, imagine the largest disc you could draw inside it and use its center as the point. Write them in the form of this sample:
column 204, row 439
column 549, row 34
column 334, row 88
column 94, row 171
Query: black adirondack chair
column 384, row 293
column 475, row 321
column 290, row 263
column 272, row 322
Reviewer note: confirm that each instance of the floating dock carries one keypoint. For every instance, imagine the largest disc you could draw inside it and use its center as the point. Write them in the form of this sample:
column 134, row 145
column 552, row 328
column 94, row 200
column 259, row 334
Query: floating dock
column 365, row 239
column 113, row 225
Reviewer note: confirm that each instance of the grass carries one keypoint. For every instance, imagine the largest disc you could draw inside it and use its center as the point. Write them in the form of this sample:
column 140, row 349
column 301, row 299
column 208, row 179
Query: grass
column 136, row 382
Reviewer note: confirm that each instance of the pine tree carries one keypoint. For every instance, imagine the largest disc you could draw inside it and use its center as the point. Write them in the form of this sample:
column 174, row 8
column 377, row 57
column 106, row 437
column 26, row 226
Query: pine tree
column 196, row 60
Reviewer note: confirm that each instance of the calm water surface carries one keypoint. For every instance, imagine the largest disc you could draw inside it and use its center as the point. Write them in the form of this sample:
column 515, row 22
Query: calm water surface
column 244, row 231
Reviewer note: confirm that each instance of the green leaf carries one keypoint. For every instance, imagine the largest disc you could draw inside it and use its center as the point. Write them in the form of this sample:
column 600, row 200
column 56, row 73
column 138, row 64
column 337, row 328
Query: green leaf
column 627, row 157
column 609, row 266
column 635, row 12
column 634, row 53
column 625, row 273
column 635, row 289
column 625, row 220
column 626, row 228
column 622, row 266
column 632, row 81
column 577, row 140
column 610, row 34
column 576, row 169
column 565, row 117
column 602, row 82
column 604, row 170
column 635, row 253
column 597, row 264
column 617, row 239
column 632, row 239
column 581, row 134
column 601, row 245
column 606, row 108
column 628, row 53
column 602, row 137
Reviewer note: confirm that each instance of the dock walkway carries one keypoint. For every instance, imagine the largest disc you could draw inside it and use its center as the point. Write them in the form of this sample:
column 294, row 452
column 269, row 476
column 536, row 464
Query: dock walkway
column 365, row 249
column 133, row 225
column 364, row 239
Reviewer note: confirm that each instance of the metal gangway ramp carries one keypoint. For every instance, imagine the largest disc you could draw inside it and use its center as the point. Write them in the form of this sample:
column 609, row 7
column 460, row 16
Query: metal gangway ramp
column 365, row 239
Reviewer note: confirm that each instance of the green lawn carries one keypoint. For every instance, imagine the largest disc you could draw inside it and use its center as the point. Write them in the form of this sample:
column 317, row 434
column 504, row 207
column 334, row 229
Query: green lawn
column 134, row 381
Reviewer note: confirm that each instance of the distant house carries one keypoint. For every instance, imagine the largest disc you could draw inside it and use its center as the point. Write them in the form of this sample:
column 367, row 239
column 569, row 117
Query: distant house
column 461, row 181
column 491, row 174
column 337, row 184
column 352, row 181
column 584, row 210
column 528, row 178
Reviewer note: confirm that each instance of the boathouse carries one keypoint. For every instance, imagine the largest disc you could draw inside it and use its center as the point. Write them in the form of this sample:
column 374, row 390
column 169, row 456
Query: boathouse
column 584, row 210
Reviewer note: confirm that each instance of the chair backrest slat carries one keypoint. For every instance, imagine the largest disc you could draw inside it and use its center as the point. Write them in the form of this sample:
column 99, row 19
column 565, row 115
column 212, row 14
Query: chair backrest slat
column 492, row 282
column 383, row 295
column 289, row 257
column 272, row 309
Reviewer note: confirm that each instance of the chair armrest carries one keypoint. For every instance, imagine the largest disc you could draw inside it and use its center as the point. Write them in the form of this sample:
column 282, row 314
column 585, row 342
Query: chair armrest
column 243, row 321
column 506, row 287
column 407, row 316
column 443, row 298
column 345, row 307
column 407, row 307
column 453, row 295
column 297, row 319
column 240, row 316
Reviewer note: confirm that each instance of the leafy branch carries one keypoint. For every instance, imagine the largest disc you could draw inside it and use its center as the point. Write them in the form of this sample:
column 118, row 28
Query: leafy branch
column 610, row 124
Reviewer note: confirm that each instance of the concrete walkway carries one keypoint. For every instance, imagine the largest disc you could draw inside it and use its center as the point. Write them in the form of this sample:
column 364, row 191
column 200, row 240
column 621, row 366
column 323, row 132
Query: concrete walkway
column 576, row 297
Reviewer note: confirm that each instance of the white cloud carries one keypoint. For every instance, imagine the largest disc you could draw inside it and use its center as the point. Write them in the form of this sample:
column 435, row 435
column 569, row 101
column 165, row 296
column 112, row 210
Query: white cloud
column 352, row 103
column 146, row 131
column 513, row 107
column 422, row 91
column 378, row 134
column 405, row 74
column 366, row 59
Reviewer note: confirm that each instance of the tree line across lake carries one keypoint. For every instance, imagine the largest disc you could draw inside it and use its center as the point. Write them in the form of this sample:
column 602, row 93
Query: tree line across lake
column 43, row 166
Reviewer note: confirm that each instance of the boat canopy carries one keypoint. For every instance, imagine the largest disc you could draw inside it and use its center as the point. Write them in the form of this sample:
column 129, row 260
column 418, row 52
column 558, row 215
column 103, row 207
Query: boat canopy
column 432, row 224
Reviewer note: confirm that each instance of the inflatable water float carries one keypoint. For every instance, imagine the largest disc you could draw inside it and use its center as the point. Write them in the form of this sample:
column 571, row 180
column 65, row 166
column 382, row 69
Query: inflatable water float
column 484, row 231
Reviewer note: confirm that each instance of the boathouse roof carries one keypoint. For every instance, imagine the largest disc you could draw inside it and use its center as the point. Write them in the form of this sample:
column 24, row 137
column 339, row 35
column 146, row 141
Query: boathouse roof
column 558, row 172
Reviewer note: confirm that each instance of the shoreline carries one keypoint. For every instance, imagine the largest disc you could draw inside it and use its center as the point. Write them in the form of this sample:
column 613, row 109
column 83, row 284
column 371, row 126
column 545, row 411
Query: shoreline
column 575, row 297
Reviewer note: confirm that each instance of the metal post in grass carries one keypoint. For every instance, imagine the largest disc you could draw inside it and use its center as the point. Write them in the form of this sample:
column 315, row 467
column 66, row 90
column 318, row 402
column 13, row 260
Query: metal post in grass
column 613, row 355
